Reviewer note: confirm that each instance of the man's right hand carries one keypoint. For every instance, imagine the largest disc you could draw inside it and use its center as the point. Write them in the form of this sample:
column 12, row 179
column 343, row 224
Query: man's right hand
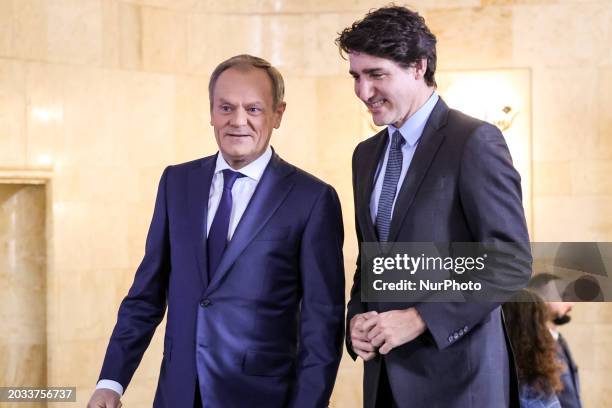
column 104, row 398
column 359, row 336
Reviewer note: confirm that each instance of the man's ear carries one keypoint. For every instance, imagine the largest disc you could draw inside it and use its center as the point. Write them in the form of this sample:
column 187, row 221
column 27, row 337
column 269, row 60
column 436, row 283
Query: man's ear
column 421, row 68
column 278, row 114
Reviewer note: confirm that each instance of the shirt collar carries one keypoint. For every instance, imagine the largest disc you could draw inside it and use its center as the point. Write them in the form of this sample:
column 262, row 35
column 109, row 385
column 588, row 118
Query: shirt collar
column 554, row 334
column 412, row 129
column 253, row 170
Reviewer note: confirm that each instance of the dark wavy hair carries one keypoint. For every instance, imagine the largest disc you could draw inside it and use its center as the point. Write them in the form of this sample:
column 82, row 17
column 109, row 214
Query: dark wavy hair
column 534, row 348
column 395, row 33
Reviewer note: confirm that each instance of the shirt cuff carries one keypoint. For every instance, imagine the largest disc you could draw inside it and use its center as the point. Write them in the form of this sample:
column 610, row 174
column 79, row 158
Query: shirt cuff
column 111, row 385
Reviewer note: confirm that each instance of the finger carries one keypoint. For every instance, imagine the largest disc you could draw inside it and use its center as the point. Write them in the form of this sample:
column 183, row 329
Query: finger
column 358, row 335
column 376, row 330
column 362, row 346
column 369, row 314
column 378, row 341
column 366, row 356
column 386, row 348
column 369, row 356
column 371, row 322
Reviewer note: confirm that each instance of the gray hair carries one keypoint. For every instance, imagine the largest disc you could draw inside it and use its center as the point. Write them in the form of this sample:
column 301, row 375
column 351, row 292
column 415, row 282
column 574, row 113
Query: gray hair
column 245, row 61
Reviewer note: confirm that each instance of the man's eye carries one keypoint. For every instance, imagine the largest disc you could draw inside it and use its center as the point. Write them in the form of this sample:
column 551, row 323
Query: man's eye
column 225, row 108
column 377, row 76
column 254, row 110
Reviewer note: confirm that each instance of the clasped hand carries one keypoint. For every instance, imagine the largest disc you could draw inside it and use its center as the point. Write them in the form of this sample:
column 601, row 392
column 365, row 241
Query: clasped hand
column 374, row 332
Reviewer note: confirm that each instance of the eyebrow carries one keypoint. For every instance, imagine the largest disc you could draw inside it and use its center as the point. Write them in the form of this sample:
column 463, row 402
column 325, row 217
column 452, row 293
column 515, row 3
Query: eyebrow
column 254, row 103
column 366, row 71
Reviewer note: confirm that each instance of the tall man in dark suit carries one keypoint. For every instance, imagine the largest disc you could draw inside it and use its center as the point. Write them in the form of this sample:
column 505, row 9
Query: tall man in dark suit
column 433, row 175
column 246, row 251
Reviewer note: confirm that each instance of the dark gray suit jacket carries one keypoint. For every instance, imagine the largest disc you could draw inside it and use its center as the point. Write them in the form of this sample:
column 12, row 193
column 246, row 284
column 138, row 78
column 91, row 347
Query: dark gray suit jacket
column 461, row 187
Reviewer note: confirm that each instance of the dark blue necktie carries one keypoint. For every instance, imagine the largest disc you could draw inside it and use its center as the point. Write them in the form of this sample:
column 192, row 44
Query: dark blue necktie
column 217, row 235
column 389, row 187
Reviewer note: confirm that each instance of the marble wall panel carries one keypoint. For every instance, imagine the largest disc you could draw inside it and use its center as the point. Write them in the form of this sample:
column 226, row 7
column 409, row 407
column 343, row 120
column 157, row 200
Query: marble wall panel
column 486, row 3
column 12, row 118
column 177, row 5
column 572, row 218
column 214, row 38
column 6, row 28
column 71, row 239
column 564, row 112
column 552, row 178
column 45, row 87
column 561, row 35
column 30, row 21
column 164, row 40
column 144, row 119
column 193, row 134
column 22, row 272
column 298, row 137
column 111, row 33
column 473, row 37
column 316, row 6
column 130, row 36
column 74, row 31
column 600, row 144
column 589, row 177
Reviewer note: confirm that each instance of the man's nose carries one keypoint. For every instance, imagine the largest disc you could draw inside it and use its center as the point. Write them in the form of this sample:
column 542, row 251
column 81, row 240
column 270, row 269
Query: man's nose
column 364, row 90
column 239, row 118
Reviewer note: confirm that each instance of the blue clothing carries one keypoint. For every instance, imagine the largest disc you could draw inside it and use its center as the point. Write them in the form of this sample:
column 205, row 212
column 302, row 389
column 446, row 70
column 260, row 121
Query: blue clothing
column 266, row 329
column 530, row 398
column 570, row 395
column 411, row 131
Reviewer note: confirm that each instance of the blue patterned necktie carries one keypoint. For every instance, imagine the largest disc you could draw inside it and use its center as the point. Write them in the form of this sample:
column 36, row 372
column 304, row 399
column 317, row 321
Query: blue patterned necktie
column 217, row 235
column 389, row 187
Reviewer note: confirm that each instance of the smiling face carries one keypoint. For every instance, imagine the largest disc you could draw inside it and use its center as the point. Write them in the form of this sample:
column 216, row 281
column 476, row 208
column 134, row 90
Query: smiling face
column 243, row 114
column 391, row 93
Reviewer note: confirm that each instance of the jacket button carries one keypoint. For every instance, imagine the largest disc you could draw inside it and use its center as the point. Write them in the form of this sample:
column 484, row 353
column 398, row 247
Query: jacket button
column 205, row 303
column 465, row 329
column 450, row 339
column 456, row 335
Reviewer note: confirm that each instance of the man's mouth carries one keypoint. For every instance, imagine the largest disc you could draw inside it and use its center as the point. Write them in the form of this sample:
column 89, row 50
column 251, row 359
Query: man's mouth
column 376, row 103
column 237, row 134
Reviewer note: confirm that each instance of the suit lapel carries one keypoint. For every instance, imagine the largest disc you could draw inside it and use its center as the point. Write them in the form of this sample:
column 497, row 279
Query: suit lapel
column 269, row 194
column 199, row 181
column 366, row 180
column 429, row 143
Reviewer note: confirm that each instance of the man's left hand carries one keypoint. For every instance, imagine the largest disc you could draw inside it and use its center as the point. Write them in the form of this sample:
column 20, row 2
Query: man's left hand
column 391, row 329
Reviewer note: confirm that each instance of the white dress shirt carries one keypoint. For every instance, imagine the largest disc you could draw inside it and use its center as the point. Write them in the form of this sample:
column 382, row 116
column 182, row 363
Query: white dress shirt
column 242, row 191
column 411, row 131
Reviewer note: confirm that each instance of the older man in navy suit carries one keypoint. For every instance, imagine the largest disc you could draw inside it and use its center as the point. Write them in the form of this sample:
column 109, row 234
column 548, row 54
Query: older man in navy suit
column 246, row 252
column 432, row 175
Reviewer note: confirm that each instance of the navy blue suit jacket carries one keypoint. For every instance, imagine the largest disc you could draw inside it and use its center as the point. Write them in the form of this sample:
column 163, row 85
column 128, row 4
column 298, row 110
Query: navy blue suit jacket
column 460, row 187
column 569, row 397
column 272, row 315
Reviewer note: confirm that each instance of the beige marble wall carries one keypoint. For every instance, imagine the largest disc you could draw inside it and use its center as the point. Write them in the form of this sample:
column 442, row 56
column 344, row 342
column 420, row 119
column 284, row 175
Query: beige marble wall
column 104, row 93
column 23, row 304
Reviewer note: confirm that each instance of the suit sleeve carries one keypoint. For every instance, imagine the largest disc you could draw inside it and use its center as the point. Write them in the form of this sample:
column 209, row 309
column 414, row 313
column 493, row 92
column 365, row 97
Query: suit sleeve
column 355, row 306
column 322, row 308
column 490, row 193
column 144, row 306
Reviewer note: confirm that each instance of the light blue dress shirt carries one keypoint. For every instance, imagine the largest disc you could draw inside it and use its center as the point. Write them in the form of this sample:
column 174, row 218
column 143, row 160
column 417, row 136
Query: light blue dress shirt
column 411, row 131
